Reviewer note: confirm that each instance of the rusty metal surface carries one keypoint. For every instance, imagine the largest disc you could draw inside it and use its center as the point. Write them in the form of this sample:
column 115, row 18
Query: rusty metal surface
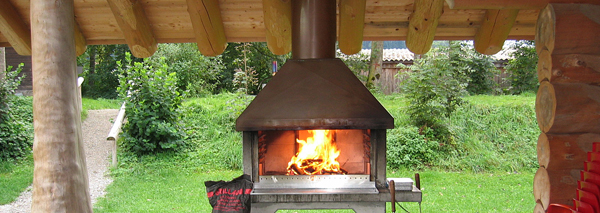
column 313, row 29
column 314, row 94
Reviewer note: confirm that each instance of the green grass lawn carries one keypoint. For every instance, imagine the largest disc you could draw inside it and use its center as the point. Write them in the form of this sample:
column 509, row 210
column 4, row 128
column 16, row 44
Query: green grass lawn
column 161, row 185
column 14, row 178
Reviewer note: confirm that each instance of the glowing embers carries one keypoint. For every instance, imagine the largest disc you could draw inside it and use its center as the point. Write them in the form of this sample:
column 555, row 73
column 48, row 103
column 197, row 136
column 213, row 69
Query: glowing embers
column 317, row 155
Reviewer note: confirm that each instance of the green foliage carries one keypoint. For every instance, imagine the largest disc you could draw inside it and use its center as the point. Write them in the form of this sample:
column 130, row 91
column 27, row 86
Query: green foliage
column 197, row 74
column 358, row 63
column 255, row 56
column 152, row 103
column 487, row 133
column 523, row 68
column 15, row 121
column 492, row 137
column 434, row 87
column 407, row 148
column 99, row 64
column 210, row 126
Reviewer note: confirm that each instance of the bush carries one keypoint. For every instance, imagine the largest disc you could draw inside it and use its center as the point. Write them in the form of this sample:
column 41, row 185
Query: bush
column 197, row 75
column 434, row 88
column 523, row 68
column 152, row 103
column 406, row 147
column 15, row 136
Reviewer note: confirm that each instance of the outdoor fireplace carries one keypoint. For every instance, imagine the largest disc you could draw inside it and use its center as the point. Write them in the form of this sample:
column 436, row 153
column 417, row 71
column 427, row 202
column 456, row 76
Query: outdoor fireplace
column 315, row 137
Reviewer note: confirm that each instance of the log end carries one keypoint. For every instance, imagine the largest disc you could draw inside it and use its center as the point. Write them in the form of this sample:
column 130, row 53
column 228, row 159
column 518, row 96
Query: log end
column 544, row 66
column 543, row 150
column 545, row 106
column 545, row 30
column 541, row 187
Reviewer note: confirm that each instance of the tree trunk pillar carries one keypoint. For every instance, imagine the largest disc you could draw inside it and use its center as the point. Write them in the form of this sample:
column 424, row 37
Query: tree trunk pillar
column 567, row 102
column 60, row 182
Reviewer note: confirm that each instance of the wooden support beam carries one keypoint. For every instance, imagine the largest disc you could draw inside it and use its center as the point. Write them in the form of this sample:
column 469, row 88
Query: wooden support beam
column 422, row 25
column 541, row 187
column 509, row 4
column 80, row 43
column 208, row 26
column 60, row 182
column 278, row 25
column 135, row 27
column 351, row 25
column 14, row 28
column 494, row 30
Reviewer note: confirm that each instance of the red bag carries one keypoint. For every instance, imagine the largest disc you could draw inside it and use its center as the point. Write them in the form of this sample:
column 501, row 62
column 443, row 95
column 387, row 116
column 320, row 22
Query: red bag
column 230, row 197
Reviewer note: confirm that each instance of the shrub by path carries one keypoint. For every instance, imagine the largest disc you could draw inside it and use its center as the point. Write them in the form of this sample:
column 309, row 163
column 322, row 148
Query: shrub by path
column 95, row 128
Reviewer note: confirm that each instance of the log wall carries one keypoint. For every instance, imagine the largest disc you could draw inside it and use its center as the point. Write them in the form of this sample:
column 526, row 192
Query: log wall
column 568, row 100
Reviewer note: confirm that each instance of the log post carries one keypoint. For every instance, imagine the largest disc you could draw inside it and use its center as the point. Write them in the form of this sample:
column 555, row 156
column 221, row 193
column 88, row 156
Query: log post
column 567, row 101
column 60, row 181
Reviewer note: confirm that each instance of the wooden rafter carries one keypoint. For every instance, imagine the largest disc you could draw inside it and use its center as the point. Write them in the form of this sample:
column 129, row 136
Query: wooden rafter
column 14, row 28
column 80, row 43
column 208, row 26
column 135, row 27
column 278, row 25
column 509, row 4
column 423, row 24
column 494, row 30
column 351, row 25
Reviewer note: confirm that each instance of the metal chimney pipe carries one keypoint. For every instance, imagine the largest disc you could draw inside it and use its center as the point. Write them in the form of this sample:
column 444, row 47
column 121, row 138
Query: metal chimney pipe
column 313, row 29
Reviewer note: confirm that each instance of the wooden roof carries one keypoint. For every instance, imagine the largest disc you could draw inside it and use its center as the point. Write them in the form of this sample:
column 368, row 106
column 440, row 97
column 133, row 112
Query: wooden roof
column 243, row 20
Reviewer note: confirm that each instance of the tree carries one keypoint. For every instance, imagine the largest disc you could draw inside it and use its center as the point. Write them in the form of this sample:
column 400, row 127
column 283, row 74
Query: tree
column 198, row 75
column 100, row 69
column 375, row 65
column 259, row 58
column 523, row 68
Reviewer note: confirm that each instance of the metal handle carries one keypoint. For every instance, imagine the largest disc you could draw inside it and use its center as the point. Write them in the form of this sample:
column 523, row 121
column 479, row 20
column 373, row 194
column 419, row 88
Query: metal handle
column 392, row 187
column 418, row 181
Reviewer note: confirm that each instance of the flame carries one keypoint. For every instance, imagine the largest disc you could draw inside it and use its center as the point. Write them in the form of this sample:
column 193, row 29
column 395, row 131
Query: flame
column 317, row 155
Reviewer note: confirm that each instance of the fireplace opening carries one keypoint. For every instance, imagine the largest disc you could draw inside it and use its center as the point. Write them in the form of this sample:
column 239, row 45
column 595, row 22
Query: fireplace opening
column 314, row 152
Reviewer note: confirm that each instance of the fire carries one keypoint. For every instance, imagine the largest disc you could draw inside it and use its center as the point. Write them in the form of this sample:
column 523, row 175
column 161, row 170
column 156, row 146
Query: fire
column 317, row 155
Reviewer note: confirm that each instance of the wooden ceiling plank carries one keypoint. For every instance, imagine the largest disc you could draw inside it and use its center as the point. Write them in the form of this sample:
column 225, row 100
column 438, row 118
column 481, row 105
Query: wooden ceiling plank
column 80, row 43
column 135, row 26
column 278, row 25
column 351, row 25
column 14, row 28
column 208, row 26
column 423, row 24
column 509, row 4
column 494, row 30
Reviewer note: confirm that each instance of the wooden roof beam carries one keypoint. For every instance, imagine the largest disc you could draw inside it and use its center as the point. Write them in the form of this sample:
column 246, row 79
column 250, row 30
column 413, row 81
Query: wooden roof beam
column 135, row 27
column 422, row 25
column 208, row 26
column 351, row 26
column 14, row 28
column 278, row 25
column 80, row 43
column 509, row 4
column 494, row 30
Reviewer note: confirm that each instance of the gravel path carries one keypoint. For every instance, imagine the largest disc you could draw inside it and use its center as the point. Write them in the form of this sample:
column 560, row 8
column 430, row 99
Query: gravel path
column 95, row 128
